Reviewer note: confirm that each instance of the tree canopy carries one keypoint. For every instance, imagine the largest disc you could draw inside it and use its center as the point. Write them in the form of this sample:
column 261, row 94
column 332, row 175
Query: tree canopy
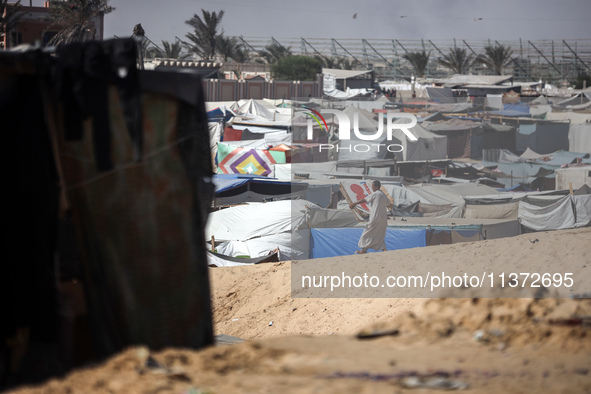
column 273, row 52
column 418, row 60
column 9, row 16
column 75, row 19
column 205, row 34
column 296, row 68
column 496, row 57
column 169, row 51
column 458, row 60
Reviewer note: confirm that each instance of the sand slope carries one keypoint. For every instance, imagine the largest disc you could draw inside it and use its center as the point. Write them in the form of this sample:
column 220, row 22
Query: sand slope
column 511, row 345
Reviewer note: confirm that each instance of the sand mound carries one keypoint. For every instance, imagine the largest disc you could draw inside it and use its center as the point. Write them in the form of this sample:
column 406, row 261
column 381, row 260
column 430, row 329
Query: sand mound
column 511, row 345
column 247, row 299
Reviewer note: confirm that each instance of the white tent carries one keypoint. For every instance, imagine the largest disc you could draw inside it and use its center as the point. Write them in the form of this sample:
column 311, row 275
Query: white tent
column 256, row 229
column 429, row 146
column 260, row 110
column 356, row 148
column 579, row 138
column 293, row 245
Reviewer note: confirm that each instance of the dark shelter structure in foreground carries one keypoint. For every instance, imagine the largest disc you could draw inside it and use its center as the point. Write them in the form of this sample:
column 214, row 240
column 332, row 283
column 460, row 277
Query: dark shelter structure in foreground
column 123, row 155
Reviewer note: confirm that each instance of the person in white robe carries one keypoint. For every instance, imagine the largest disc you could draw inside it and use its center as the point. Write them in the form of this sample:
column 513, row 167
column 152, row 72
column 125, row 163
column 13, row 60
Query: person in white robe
column 374, row 235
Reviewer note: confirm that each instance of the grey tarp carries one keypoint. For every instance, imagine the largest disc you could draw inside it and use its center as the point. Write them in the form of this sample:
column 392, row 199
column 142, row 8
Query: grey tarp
column 332, row 218
column 568, row 212
column 551, row 137
column 429, row 146
column 579, row 138
column 358, row 149
column 492, row 211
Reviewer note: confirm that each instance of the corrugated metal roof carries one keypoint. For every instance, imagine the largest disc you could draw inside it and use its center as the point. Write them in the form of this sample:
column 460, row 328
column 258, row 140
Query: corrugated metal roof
column 458, row 80
column 344, row 74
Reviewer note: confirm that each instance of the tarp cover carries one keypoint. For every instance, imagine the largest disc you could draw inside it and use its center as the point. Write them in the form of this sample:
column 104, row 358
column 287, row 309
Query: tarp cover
column 579, row 138
column 331, row 242
column 244, row 222
column 568, row 212
column 287, row 171
column 332, row 218
column 429, row 146
column 220, row 260
column 492, row 211
column 292, row 246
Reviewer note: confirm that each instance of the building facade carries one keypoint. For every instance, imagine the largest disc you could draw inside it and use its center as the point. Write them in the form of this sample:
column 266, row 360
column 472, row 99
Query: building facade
column 32, row 27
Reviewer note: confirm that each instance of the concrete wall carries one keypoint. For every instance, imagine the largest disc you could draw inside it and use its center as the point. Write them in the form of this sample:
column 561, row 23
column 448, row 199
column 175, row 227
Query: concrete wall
column 234, row 90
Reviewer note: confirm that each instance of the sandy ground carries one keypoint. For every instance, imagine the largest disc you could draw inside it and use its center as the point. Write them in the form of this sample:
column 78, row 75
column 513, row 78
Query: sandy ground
column 480, row 345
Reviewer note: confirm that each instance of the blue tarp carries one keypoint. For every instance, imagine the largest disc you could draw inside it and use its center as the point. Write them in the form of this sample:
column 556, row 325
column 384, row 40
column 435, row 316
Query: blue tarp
column 225, row 182
column 220, row 113
column 332, row 242
column 562, row 157
column 519, row 107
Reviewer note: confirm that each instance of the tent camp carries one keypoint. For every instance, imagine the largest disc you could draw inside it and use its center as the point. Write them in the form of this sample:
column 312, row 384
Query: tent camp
column 357, row 148
column 429, row 146
column 459, row 134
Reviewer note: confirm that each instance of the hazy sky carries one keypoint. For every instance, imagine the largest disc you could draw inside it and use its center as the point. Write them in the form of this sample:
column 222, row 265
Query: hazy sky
column 414, row 19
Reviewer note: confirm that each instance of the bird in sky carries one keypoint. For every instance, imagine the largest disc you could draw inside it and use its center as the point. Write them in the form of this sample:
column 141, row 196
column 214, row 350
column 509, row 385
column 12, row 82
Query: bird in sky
column 354, row 16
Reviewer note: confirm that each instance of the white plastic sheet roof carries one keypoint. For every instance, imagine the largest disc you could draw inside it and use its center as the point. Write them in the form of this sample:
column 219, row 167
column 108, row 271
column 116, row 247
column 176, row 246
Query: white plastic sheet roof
column 292, row 246
column 450, row 194
column 245, row 222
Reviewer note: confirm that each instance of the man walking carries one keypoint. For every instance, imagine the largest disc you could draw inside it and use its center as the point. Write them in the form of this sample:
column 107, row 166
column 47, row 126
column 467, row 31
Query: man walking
column 374, row 235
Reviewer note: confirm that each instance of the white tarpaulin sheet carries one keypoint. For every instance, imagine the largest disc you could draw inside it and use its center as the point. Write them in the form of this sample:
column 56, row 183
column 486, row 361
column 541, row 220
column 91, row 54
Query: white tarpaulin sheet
column 495, row 101
column 401, row 195
column 579, row 138
column 583, row 210
column 244, row 222
column 429, row 146
column 215, row 261
column 287, row 171
column 450, row 194
column 556, row 216
column 292, row 246
column 574, row 117
column 218, row 260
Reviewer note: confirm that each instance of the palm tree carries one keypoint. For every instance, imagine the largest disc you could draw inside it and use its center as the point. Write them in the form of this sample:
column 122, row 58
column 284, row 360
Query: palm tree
column 496, row 58
column 170, row 51
column 10, row 14
column 457, row 60
column 241, row 55
column 75, row 19
column 418, row 60
column 205, row 33
column 275, row 51
column 227, row 46
column 338, row 62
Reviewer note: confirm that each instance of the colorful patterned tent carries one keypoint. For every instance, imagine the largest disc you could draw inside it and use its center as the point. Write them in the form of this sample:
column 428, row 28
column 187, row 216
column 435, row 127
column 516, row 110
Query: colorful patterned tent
column 233, row 160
